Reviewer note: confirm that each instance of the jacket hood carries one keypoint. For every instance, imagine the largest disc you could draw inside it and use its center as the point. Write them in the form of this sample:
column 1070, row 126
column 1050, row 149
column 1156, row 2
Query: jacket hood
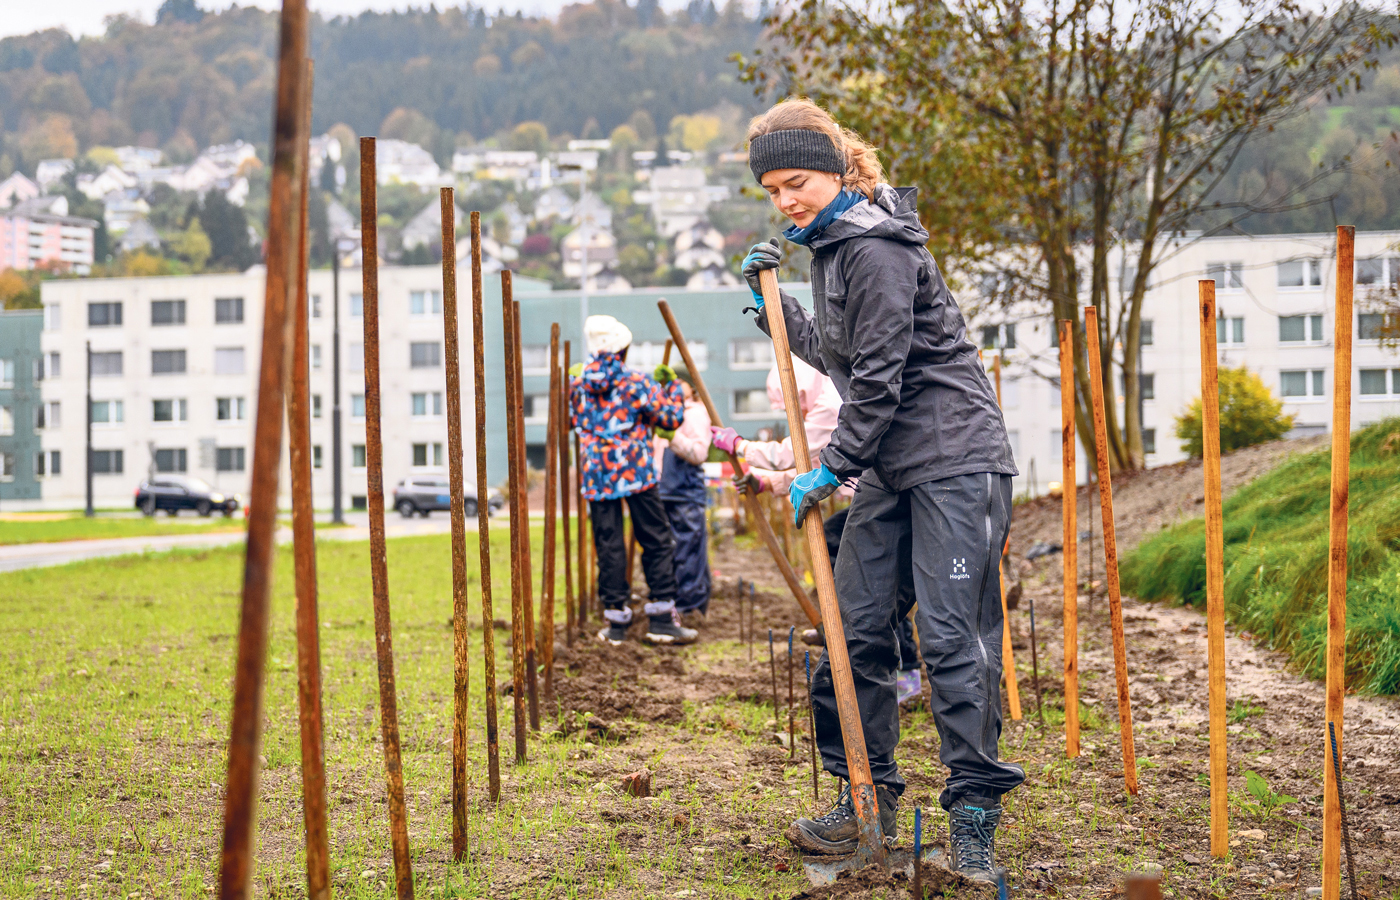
column 602, row 373
column 892, row 215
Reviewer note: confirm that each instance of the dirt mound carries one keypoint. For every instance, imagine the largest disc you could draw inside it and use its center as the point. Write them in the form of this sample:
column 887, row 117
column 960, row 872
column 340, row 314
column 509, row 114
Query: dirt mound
column 874, row 882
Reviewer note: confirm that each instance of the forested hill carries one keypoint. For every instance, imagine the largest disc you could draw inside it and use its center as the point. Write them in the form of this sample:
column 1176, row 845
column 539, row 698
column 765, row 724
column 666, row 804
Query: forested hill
column 197, row 78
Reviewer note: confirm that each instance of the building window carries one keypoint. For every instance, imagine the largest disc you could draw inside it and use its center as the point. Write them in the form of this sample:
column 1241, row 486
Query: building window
column 7, row 420
column 53, row 414
column 425, row 303
column 752, row 402
column 168, row 362
column 39, row 464
column 424, row 354
column 315, row 406
column 167, row 312
column 430, row 404
column 1145, row 333
column 421, row 455
column 54, row 368
column 228, row 459
column 357, row 456
column 644, row 356
column 228, row 311
column 1302, row 383
column 171, row 460
column 1371, row 326
column 1229, row 331
column 1228, row 276
column 7, row 467
column 357, row 305
column 359, row 502
column 230, row 409
column 104, row 315
column 169, row 411
column 357, row 406
column 1149, row 440
column 52, row 319
column 534, row 359
column 7, row 373
column 315, row 356
column 55, row 462
column 1377, row 271
column 750, row 353
column 999, row 337
column 355, row 357
column 107, row 462
column 536, row 408
column 107, row 412
column 1300, row 273
column 1373, row 382
column 315, row 306
column 228, row 361
column 315, row 456
column 106, row 365
column 1298, row 329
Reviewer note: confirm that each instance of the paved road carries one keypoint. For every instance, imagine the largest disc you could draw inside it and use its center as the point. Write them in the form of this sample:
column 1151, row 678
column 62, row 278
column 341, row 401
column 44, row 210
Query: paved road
column 28, row 556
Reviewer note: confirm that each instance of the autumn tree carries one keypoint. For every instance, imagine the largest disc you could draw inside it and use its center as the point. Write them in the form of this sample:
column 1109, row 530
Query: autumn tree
column 1249, row 414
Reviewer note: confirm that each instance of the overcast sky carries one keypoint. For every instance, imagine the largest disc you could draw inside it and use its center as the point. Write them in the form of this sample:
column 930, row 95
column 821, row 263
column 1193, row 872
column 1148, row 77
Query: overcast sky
column 82, row 17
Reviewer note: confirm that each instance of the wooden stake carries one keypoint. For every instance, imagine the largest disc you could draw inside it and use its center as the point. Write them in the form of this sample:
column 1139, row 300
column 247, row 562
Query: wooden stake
column 871, row 838
column 517, row 501
column 245, row 725
column 378, row 562
column 799, row 591
column 313, row 763
column 1337, row 561
column 1110, row 555
column 483, row 519
column 1215, row 572
column 1008, row 661
column 461, row 672
column 1069, row 508
column 565, row 413
column 551, row 486
column 531, row 667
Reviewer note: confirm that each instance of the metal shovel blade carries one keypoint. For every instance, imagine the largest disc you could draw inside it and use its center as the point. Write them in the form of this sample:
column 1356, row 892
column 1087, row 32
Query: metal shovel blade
column 822, row 870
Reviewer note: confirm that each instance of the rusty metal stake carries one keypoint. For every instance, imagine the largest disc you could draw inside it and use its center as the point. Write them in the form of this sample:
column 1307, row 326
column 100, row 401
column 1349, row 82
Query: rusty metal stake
column 483, row 519
column 245, row 721
column 461, row 671
column 378, row 563
column 528, row 590
column 551, row 485
column 571, row 621
column 517, row 500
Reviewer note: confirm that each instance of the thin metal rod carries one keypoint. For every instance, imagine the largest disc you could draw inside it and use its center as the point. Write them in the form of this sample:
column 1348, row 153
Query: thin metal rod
column 870, row 837
column 514, row 451
column 551, row 490
column 456, row 489
column 792, row 731
column 528, row 591
column 773, row 673
column 1110, row 557
column 1337, row 557
column 1069, row 509
column 918, row 853
column 581, row 569
column 313, row 763
column 483, row 519
column 1215, row 572
column 1342, row 806
column 564, row 414
column 765, row 531
column 811, row 720
column 245, row 725
column 1035, row 665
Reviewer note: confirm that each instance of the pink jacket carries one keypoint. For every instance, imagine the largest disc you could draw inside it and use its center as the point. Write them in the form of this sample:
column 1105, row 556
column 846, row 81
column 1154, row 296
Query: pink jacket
column 773, row 461
column 692, row 440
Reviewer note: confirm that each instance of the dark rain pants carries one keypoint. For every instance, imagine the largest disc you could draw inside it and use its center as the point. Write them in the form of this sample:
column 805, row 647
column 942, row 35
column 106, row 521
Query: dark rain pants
column 937, row 544
column 908, row 649
column 692, row 565
column 653, row 533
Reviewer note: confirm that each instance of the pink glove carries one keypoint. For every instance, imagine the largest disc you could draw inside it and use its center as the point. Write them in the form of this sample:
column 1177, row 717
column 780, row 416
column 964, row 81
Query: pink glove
column 726, row 439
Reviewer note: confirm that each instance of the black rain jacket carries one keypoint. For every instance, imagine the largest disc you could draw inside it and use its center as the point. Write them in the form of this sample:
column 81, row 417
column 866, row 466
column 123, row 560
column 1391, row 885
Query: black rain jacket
column 917, row 403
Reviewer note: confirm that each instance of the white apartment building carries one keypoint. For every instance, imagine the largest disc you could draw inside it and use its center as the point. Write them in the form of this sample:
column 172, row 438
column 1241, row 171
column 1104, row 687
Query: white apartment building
column 1275, row 297
column 175, row 371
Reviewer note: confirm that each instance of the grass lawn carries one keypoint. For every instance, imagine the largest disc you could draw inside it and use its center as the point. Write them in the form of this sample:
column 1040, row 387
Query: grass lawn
column 21, row 528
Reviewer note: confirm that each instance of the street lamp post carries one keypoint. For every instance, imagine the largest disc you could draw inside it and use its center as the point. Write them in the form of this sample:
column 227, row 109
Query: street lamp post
column 87, row 509
column 583, row 246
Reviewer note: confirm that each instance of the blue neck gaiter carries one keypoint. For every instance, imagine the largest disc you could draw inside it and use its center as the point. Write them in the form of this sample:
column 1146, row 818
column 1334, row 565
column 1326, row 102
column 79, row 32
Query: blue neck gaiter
column 830, row 213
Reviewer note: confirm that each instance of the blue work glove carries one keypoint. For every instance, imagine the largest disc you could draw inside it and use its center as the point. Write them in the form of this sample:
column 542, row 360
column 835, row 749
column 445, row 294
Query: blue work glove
column 810, row 488
column 761, row 256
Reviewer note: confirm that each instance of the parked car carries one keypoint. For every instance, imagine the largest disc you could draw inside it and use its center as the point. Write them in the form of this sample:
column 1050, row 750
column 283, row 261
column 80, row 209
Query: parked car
column 424, row 493
column 173, row 493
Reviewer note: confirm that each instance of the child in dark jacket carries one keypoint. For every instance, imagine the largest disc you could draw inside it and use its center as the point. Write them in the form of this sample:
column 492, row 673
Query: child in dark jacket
column 614, row 410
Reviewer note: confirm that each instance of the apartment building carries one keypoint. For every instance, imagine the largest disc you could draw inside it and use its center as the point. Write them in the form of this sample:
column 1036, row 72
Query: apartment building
column 1275, row 297
column 21, row 412
column 30, row 238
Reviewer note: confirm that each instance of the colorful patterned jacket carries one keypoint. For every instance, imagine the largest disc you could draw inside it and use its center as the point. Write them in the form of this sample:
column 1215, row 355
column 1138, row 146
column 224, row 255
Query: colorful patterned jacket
column 614, row 409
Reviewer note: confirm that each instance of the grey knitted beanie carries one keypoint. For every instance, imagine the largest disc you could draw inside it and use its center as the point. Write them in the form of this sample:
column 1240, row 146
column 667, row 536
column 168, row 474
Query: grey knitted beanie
column 795, row 149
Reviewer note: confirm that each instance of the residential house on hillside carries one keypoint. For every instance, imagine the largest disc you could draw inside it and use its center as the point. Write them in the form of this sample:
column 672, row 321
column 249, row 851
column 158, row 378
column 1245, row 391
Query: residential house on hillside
column 109, row 181
column 17, row 189
column 711, row 277
column 508, row 224
column 554, row 203
column 699, row 246
column 425, row 228
column 50, row 172
column 679, row 198
column 595, row 210
column 138, row 235
column 404, row 163
column 326, row 150
column 122, row 209
column 138, row 159
column 602, row 251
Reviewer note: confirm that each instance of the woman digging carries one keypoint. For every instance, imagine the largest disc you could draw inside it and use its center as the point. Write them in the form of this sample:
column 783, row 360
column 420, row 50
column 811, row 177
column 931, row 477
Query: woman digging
column 919, row 425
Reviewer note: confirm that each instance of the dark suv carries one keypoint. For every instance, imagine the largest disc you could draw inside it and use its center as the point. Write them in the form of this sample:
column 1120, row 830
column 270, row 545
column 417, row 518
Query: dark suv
column 424, row 493
column 173, row 493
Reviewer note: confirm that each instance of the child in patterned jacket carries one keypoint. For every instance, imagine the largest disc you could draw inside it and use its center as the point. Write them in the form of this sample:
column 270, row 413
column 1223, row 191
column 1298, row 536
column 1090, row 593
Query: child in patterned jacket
column 614, row 410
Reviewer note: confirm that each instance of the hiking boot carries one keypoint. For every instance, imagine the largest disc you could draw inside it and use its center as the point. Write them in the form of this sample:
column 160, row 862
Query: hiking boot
column 693, row 618
column 666, row 630
column 614, row 634
column 972, row 827
column 910, row 686
column 837, row 833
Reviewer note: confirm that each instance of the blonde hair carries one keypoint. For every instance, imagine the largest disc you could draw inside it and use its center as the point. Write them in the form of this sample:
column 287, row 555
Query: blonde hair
column 863, row 169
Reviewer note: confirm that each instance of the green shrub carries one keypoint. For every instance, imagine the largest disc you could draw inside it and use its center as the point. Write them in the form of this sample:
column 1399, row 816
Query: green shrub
column 1276, row 550
column 1249, row 414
